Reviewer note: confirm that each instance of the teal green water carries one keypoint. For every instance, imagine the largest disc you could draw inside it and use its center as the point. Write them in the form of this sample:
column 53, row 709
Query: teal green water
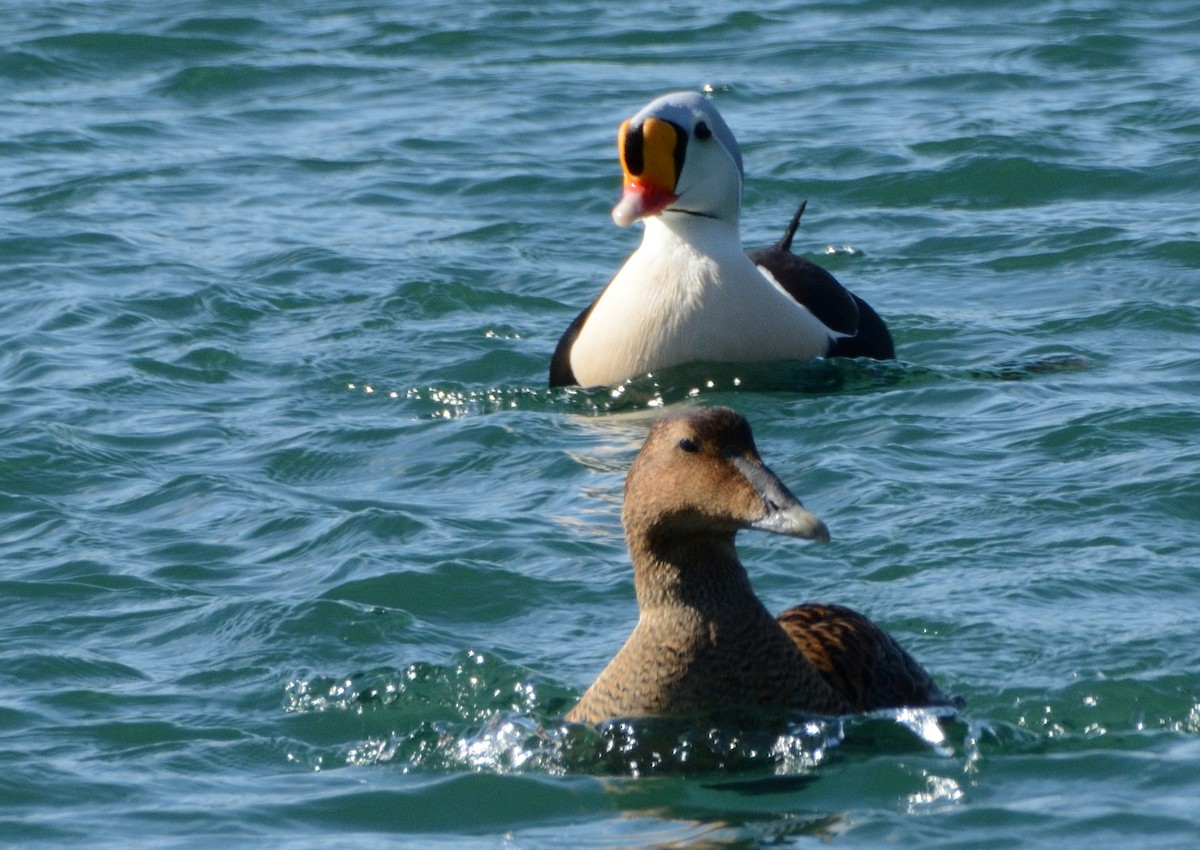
column 298, row 550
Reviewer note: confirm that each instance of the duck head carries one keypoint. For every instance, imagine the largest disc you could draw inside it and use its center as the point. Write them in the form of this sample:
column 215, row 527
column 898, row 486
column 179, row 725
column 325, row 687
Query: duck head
column 678, row 156
column 699, row 475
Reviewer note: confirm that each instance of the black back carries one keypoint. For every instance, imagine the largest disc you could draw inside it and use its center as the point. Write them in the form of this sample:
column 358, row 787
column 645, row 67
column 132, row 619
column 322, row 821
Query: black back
column 863, row 333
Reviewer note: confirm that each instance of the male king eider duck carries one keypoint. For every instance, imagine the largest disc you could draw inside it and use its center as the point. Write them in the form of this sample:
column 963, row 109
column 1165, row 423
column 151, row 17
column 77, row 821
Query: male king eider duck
column 689, row 293
column 703, row 641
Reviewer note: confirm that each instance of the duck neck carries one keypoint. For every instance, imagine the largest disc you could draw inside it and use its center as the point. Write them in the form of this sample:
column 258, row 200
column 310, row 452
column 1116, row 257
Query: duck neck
column 716, row 235
column 697, row 573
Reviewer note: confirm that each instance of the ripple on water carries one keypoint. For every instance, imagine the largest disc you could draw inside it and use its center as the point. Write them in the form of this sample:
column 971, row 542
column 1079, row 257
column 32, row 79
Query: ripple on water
column 480, row 713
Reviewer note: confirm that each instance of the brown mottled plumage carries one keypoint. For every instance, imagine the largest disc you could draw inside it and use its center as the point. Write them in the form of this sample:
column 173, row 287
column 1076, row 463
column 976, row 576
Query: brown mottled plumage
column 860, row 660
column 703, row 640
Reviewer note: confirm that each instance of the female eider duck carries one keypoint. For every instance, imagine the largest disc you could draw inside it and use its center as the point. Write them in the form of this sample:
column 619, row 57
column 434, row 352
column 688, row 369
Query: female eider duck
column 690, row 293
column 703, row 641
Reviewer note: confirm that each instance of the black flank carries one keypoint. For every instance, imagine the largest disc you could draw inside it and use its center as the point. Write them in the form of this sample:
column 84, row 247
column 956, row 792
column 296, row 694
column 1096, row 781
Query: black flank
column 864, row 333
column 560, row 363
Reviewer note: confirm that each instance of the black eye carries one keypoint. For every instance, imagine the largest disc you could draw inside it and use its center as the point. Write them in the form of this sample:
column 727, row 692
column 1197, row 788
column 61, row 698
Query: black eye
column 702, row 132
column 689, row 446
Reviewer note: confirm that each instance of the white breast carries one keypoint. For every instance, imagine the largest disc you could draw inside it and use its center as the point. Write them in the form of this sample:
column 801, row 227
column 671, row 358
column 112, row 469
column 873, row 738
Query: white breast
column 690, row 294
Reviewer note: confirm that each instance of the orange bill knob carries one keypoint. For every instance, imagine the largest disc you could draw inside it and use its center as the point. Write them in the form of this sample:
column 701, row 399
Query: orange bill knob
column 651, row 158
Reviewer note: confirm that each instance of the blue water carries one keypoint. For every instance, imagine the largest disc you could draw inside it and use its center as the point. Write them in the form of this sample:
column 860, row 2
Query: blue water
column 299, row 550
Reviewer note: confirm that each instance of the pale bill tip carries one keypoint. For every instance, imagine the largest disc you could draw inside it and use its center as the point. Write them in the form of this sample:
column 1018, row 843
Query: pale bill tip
column 795, row 521
column 628, row 209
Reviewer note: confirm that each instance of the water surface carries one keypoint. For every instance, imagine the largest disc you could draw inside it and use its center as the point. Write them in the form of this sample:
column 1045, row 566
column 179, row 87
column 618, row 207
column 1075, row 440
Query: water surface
column 298, row 548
